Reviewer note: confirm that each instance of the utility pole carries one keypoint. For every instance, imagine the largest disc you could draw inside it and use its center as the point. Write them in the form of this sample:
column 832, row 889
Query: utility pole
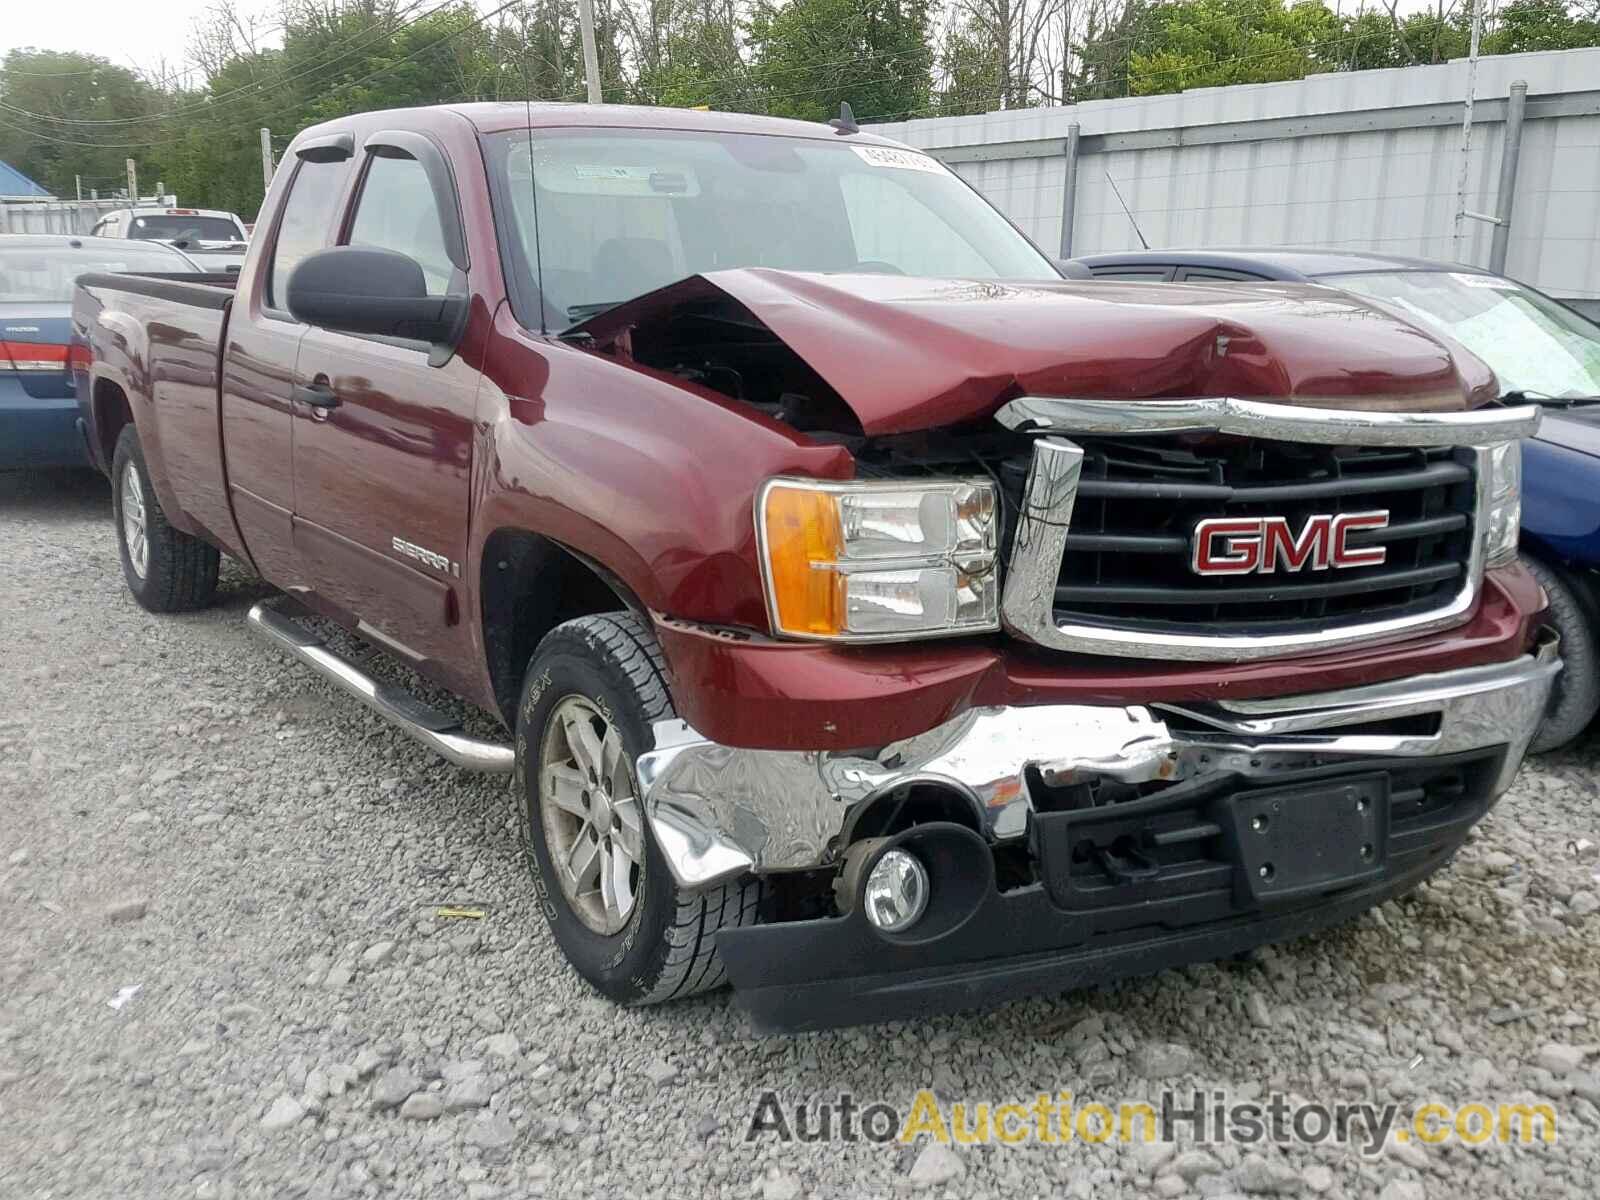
column 591, row 56
column 266, row 159
column 77, row 181
column 1466, row 132
column 133, row 182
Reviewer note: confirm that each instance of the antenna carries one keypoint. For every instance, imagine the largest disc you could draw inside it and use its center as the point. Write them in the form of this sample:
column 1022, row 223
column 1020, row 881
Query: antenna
column 845, row 122
column 1128, row 211
column 533, row 183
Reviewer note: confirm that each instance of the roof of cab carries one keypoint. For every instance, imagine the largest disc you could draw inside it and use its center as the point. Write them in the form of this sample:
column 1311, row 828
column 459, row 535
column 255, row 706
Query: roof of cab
column 499, row 116
column 162, row 210
column 1293, row 263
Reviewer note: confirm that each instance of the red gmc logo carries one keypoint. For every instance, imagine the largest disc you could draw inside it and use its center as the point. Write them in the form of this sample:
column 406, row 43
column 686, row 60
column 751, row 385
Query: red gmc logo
column 1241, row 545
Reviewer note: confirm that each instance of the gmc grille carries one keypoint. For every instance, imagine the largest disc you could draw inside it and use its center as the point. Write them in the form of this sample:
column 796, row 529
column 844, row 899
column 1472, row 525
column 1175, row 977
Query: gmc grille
column 1129, row 542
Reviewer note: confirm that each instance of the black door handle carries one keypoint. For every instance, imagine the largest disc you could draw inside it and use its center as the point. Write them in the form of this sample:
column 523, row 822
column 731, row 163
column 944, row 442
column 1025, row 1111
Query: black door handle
column 317, row 395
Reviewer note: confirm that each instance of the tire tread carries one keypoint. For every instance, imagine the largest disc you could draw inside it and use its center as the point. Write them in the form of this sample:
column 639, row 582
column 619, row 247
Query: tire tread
column 691, row 964
column 182, row 572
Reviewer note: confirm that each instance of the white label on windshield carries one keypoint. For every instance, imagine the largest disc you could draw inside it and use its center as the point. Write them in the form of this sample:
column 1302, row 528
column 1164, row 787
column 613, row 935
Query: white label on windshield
column 906, row 160
column 1483, row 281
column 591, row 171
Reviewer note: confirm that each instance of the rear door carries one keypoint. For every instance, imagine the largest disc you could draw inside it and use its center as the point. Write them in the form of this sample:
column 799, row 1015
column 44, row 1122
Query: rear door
column 263, row 340
column 383, row 432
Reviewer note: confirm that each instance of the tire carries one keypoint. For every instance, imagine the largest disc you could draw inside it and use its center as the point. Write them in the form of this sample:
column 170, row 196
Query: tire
column 1576, row 695
column 605, row 673
column 167, row 570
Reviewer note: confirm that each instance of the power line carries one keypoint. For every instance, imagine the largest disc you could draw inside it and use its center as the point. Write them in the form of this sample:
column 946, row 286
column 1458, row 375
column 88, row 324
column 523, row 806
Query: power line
column 371, row 35
column 337, row 88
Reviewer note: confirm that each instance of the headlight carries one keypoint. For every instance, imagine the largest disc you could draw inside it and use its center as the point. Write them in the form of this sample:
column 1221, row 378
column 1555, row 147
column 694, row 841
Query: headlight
column 878, row 561
column 1503, row 515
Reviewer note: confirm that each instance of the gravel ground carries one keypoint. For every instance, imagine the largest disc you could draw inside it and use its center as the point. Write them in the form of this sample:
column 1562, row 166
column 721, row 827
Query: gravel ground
column 188, row 814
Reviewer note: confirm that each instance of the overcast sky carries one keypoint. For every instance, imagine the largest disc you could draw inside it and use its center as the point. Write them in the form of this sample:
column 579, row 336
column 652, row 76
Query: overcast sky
column 131, row 33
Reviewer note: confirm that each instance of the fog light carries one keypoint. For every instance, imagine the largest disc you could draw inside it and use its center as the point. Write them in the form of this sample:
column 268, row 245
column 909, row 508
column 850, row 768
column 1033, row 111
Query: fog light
column 896, row 894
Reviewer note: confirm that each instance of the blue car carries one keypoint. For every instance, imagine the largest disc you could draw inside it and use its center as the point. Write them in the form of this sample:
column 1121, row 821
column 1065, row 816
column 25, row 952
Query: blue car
column 1540, row 350
column 38, row 401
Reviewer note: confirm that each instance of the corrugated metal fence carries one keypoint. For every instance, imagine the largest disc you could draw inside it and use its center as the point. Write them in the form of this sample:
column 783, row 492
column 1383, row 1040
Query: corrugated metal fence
column 1362, row 160
column 64, row 216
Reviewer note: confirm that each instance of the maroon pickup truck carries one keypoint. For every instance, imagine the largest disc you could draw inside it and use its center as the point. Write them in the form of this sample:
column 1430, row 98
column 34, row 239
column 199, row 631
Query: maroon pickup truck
column 881, row 622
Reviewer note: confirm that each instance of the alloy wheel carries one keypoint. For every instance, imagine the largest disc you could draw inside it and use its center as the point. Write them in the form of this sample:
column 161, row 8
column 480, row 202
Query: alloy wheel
column 133, row 521
column 593, row 822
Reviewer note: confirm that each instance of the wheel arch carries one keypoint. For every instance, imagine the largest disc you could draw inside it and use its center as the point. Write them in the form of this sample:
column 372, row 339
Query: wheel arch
column 528, row 584
column 112, row 412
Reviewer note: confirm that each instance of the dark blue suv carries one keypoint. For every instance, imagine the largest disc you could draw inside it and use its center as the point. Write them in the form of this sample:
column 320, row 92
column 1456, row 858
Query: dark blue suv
column 1540, row 350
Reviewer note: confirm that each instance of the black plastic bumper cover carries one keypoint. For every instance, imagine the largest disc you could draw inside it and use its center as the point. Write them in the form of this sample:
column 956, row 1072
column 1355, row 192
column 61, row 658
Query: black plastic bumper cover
column 819, row 974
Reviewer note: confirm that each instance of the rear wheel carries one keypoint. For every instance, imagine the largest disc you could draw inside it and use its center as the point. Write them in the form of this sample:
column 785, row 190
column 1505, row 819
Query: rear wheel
column 167, row 570
column 591, row 694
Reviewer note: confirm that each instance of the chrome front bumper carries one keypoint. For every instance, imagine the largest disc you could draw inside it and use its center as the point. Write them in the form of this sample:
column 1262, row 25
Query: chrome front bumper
column 720, row 811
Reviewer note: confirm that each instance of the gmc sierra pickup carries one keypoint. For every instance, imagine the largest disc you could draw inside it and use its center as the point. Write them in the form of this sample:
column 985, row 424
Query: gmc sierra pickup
column 881, row 622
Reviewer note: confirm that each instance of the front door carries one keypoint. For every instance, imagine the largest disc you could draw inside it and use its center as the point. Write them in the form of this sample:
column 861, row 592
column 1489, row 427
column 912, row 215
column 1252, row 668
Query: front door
column 383, row 440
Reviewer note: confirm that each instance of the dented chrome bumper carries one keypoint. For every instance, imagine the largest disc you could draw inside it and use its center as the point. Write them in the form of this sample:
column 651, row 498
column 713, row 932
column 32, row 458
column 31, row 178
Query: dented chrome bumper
column 720, row 811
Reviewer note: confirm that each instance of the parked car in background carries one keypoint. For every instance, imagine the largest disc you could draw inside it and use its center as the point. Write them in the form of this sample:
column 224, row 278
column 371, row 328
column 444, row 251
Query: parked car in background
column 1542, row 352
column 213, row 238
column 38, row 406
column 880, row 622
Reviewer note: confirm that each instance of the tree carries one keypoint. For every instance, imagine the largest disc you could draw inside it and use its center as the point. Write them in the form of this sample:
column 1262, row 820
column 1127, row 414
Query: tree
column 808, row 55
column 52, row 105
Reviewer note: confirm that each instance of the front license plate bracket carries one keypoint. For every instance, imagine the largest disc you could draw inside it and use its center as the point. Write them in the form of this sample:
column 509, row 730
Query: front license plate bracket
column 1301, row 841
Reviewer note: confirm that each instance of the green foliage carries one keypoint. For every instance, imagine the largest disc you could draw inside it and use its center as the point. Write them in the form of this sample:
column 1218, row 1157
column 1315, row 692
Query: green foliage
column 64, row 114
column 808, row 55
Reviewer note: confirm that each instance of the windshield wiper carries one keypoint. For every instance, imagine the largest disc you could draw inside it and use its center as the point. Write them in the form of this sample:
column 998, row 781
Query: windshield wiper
column 581, row 312
column 1529, row 395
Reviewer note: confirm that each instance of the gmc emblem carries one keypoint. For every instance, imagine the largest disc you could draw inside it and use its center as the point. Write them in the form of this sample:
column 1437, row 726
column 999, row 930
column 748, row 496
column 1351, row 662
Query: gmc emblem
column 1242, row 545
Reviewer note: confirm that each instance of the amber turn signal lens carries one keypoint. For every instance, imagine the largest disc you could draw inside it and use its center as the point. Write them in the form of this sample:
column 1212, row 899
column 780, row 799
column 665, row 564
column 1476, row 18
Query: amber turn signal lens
column 804, row 541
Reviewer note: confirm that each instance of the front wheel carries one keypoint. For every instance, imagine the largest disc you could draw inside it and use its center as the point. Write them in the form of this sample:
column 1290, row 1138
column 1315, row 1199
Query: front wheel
column 591, row 694
column 167, row 570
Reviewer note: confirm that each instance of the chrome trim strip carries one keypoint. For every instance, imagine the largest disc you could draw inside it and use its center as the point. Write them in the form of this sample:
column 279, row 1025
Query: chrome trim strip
column 718, row 811
column 1027, row 599
column 1273, row 420
column 394, row 705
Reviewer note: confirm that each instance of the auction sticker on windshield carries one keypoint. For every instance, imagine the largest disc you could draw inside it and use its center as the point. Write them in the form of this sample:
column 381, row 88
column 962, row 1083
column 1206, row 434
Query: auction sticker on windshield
column 888, row 156
column 1483, row 281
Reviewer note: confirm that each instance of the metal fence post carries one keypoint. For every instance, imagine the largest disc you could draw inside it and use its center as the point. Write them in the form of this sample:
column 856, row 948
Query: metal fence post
column 1510, row 152
column 1069, row 190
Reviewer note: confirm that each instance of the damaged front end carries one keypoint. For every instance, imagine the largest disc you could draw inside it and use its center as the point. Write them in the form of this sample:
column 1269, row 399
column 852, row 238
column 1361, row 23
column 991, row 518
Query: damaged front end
column 1195, row 480
column 1063, row 845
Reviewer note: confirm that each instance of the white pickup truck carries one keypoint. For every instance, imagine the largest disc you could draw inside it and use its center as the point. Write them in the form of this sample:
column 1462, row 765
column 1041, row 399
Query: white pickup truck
column 213, row 238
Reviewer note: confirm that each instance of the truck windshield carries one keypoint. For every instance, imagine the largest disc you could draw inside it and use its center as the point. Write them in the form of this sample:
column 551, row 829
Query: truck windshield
column 166, row 227
column 1534, row 345
column 621, row 214
column 47, row 273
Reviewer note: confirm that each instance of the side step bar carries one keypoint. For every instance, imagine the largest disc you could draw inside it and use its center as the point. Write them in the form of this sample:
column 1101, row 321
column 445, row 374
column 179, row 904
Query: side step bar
column 437, row 731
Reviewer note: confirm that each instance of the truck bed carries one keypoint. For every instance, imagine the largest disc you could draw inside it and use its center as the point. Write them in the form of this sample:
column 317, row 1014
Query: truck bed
column 156, row 343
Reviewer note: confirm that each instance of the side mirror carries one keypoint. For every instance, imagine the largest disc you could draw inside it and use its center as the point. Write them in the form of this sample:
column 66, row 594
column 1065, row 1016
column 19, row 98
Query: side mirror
column 1071, row 268
column 357, row 289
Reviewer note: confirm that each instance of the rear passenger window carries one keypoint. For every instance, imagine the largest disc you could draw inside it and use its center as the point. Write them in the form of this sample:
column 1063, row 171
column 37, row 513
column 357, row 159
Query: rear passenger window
column 307, row 222
column 1135, row 274
column 397, row 211
column 1216, row 275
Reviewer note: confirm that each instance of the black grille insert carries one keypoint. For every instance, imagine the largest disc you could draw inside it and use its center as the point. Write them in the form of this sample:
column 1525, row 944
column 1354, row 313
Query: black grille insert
column 1129, row 547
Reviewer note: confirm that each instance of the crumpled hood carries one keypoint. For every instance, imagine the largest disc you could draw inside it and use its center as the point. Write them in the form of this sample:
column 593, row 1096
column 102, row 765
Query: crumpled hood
column 908, row 353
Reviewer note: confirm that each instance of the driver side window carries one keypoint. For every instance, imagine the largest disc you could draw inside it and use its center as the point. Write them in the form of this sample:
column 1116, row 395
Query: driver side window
column 397, row 211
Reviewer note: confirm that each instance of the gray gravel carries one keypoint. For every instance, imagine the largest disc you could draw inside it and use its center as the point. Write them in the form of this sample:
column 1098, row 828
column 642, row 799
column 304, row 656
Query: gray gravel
column 191, row 816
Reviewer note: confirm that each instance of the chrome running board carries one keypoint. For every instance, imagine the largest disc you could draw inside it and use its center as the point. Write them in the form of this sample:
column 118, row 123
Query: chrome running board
column 438, row 731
